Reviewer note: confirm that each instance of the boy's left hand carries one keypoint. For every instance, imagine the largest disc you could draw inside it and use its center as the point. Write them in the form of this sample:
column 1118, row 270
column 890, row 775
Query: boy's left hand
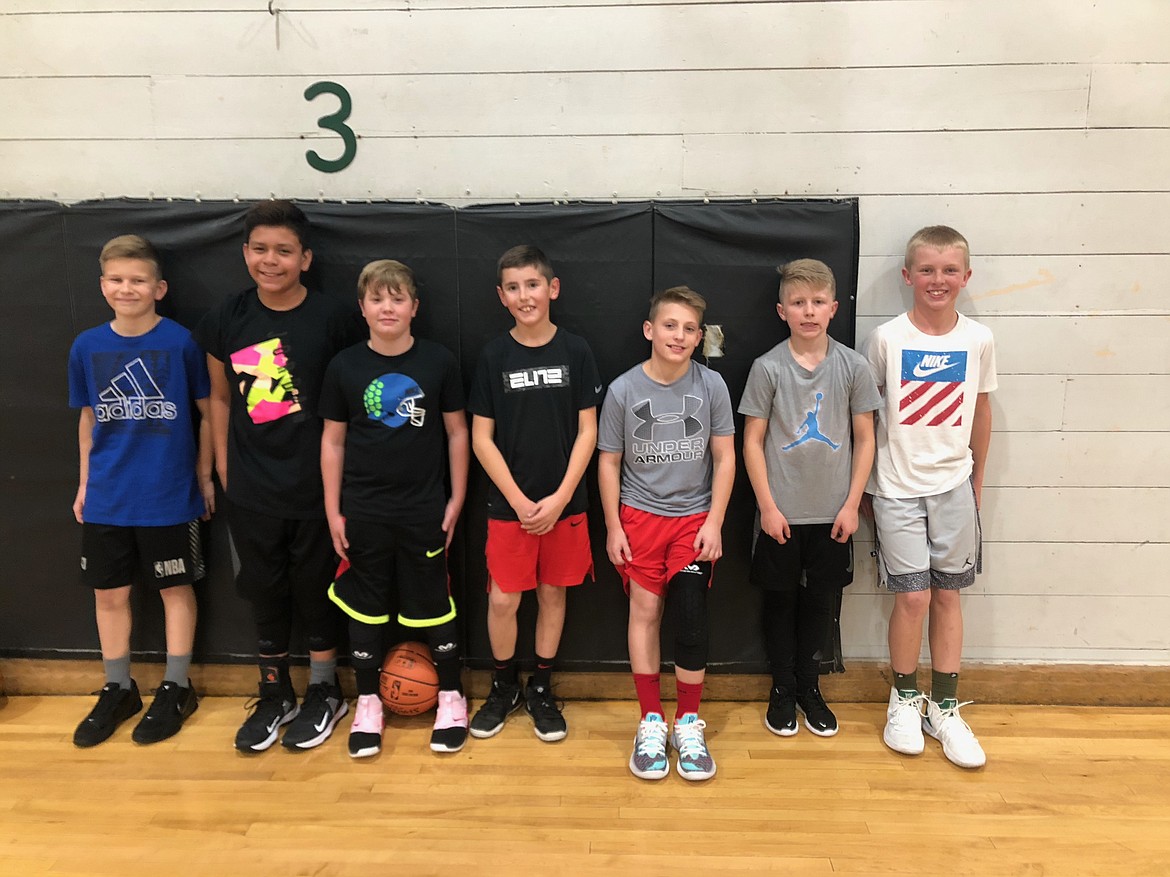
column 450, row 516
column 845, row 525
column 709, row 542
column 544, row 515
column 207, row 488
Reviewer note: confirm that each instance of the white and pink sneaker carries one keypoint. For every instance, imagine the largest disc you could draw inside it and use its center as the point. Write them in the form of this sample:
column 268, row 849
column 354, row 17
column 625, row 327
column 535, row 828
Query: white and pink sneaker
column 365, row 734
column 450, row 731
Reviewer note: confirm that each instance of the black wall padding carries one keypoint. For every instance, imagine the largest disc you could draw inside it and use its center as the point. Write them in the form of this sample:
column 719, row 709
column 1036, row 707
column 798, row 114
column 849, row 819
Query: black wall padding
column 609, row 257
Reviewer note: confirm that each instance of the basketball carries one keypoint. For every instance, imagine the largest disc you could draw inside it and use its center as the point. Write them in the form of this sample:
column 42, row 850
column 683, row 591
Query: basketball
column 409, row 684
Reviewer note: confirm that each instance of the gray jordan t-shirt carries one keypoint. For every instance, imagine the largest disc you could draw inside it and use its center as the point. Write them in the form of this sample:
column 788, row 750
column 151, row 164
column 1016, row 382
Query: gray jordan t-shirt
column 663, row 432
column 808, row 446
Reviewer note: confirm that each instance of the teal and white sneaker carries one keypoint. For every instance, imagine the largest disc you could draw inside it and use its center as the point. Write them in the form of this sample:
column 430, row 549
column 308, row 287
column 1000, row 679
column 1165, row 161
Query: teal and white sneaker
column 694, row 759
column 649, row 760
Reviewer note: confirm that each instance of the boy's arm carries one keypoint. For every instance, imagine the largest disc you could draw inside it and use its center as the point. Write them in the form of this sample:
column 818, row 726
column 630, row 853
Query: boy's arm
column 609, row 484
column 980, row 442
column 483, row 442
column 206, row 457
column 85, row 425
column 709, row 539
column 845, row 524
column 548, row 509
column 772, row 520
column 332, row 466
column 458, row 459
column 221, row 401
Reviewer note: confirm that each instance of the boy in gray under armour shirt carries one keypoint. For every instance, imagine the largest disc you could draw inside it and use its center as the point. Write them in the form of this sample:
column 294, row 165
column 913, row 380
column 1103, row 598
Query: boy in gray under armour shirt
column 665, row 474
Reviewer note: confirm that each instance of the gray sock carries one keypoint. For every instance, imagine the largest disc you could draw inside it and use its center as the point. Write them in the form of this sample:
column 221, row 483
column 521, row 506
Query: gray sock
column 322, row 671
column 118, row 670
column 178, row 668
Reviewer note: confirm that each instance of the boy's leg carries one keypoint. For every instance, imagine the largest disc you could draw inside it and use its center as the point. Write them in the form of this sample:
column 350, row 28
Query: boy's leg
column 776, row 570
column 511, row 561
column 649, row 759
column 108, row 559
column 828, row 569
column 904, row 558
column 365, row 656
column 311, row 569
column 688, row 593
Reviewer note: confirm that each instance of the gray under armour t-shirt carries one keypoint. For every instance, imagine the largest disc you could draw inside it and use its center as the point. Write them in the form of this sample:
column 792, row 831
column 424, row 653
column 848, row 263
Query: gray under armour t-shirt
column 663, row 432
column 808, row 447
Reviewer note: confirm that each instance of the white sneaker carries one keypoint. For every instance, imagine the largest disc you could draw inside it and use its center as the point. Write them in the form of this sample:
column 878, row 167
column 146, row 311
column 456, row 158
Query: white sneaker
column 904, row 724
column 957, row 739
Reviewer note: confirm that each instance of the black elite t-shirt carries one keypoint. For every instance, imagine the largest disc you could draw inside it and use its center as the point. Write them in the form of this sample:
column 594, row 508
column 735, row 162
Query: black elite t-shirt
column 535, row 395
column 395, row 443
column 274, row 362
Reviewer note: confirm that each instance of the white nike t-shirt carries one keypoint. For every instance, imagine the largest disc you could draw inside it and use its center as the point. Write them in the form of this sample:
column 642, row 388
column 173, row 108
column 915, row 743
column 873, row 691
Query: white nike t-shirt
column 929, row 384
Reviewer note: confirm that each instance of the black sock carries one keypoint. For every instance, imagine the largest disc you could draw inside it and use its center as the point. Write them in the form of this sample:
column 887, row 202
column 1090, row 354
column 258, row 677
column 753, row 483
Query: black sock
column 542, row 676
column 506, row 672
column 367, row 679
column 450, row 677
column 275, row 670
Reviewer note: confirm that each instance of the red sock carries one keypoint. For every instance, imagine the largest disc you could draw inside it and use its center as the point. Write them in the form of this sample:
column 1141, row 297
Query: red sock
column 689, row 695
column 649, row 688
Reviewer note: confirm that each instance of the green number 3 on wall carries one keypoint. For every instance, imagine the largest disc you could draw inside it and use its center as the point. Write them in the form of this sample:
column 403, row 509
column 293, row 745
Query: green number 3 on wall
column 333, row 122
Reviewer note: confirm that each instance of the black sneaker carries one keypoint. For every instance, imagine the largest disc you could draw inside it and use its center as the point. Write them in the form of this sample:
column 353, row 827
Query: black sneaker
column 115, row 705
column 321, row 710
column 502, row 701
column 781, row 716
column 818, row 718
column 545, row 710
column 172, row 705
column 276, row 705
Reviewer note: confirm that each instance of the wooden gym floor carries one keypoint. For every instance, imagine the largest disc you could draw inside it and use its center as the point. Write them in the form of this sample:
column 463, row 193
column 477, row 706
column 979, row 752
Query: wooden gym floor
column 1067, row 791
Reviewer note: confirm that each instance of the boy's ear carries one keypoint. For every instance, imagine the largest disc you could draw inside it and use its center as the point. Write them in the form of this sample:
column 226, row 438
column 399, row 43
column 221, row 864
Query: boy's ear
column 647, row 329
column 160, row 290
column 780, row 309
column 554, row 287
column 906, row 276
column 306, row 260
column 833, row 310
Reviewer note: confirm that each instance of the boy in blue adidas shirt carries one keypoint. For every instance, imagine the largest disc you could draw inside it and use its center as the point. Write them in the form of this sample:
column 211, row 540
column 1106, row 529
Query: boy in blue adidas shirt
column 137, row 380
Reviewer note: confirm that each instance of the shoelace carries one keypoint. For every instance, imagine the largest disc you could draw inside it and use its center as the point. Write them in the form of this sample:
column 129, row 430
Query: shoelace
column 950, row 713
column 652, row 738
column 916, row 702
column 546, row 703
column 690, row 739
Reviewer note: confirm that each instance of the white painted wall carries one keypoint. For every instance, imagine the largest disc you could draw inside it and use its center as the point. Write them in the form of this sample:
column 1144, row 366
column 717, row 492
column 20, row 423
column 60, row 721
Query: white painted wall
column 1040, row 128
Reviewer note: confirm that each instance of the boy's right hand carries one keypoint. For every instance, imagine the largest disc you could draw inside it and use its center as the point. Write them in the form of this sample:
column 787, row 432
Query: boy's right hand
column 337, row 532
column 775, row 525
column 617, row 546
column 79, row 504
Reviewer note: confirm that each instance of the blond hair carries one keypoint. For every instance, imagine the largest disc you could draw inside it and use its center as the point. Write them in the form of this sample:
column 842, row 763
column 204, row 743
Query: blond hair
column 811, row 273
column 389, row 274
column 678, row 295
column 130, row 246
column 937, row 237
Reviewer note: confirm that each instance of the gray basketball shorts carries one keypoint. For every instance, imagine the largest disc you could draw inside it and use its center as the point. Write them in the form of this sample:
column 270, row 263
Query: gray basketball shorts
column 928, row 541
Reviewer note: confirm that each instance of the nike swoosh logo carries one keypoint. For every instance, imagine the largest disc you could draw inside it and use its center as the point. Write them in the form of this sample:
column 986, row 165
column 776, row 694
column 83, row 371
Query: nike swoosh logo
column 597, row 389
column 435, row 553
column 275, row 722
column 320, row 726
column 574, row 523
column 920, row 372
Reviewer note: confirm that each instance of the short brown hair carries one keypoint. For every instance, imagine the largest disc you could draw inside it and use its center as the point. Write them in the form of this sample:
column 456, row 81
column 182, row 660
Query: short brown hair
column 386, row 273
column 131, row 246
column 937, row 237
column 524, row 256
column 678, row 295
column 277, row 214
column 811, row 273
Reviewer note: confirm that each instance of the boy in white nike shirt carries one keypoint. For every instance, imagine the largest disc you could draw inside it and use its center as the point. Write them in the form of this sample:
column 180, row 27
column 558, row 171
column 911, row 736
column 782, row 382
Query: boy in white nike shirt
column 935, row 368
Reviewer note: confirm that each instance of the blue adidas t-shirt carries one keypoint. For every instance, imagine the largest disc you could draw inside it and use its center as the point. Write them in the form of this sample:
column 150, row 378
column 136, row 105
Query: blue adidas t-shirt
column 142, row 391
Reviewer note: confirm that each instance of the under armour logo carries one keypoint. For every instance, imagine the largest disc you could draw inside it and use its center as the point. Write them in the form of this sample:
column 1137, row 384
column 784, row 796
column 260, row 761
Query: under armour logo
column 647, row 419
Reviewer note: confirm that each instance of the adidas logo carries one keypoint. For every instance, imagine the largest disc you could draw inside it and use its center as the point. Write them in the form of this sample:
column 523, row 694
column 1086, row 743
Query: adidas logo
column 133, row 395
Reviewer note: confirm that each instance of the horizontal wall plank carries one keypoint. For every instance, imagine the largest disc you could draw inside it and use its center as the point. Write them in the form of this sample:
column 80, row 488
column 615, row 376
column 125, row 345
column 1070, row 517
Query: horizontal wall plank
column 1089, row 345
column 1042, row 284
column 1079, row 459
column 1026, row 628
column 1048, row 569
column 1133, row 402
column 695, row 36
column 1070, row 223
column 1130, row 96
column 447, row 168
column 1085, row 514
column 557, row 104
column 1029, row 403
column 908, row 163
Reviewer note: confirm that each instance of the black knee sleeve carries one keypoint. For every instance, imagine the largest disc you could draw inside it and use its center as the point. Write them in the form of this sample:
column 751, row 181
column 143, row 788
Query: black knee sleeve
column 443, row 640
column 688, row 592
column 272, row 617
column 365, row 645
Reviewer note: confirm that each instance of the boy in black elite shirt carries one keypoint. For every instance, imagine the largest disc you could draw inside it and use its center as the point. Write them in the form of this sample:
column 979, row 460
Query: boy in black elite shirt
column 394, row 421
column 267, row 349
column 534, row 401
